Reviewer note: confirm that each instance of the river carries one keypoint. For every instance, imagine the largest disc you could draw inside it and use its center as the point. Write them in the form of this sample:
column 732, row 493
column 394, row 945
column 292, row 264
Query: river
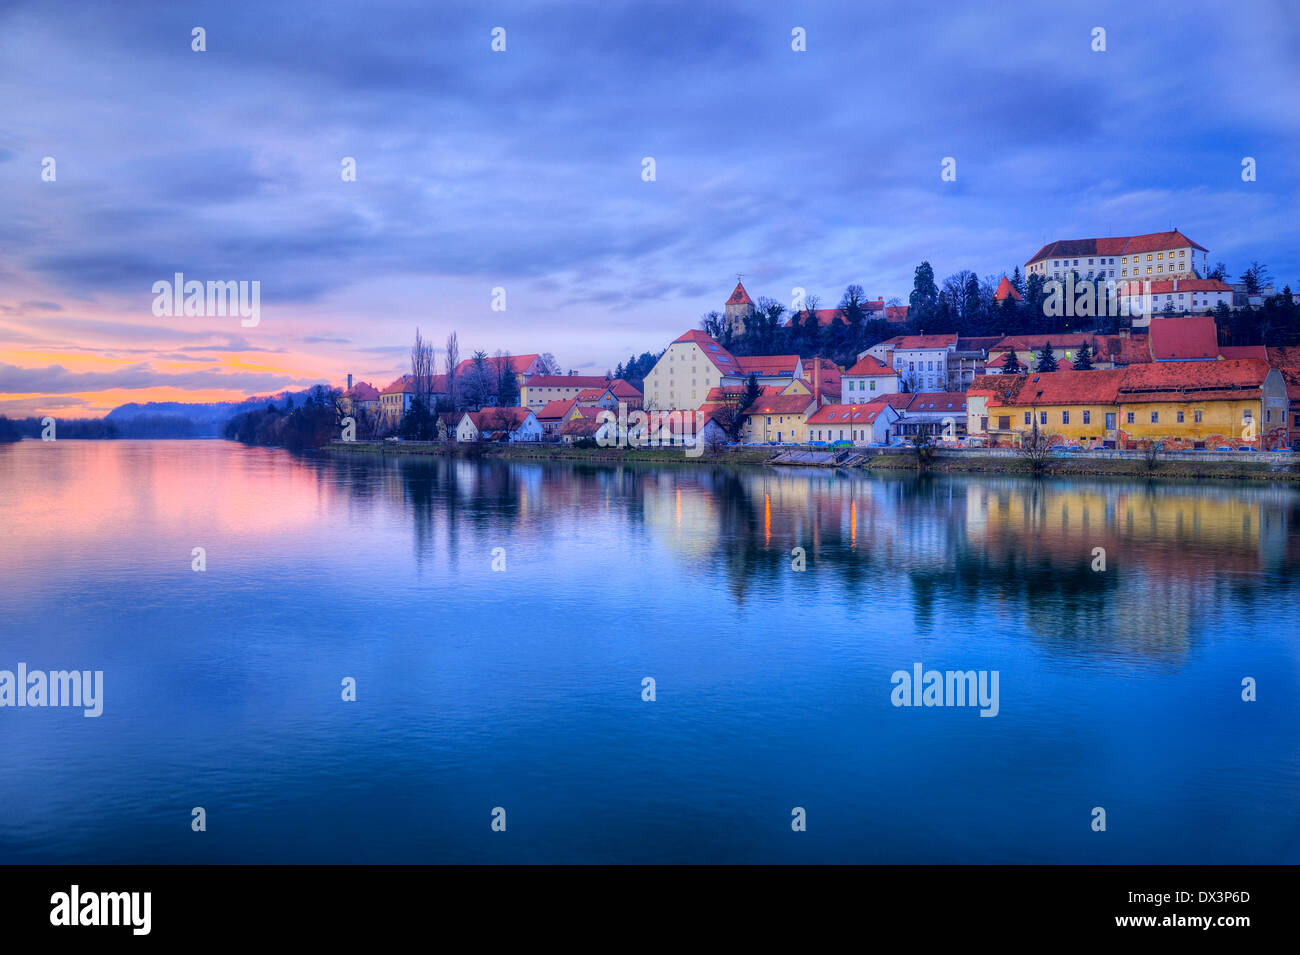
column 500, row 620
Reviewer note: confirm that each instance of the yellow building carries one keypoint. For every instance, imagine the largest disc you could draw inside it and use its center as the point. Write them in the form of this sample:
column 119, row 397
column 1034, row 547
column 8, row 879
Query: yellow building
column 537, row 392
column 782, row 418
column 1204, row 404
column 1182, row 404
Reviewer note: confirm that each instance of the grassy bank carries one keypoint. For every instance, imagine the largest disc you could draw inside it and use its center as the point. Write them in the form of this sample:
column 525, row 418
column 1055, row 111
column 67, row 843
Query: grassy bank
column 1244, row 470
column 550, row 452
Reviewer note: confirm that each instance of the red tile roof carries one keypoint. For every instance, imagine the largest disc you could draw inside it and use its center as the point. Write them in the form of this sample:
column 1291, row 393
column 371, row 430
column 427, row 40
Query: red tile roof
column 722, row 359
column 1069, row 387
column 896, row 313
column 364, row 391
column 1035, row 343
column 590, row 394
column 555, row 410
column 406, row 384
column 1243, row 351
column 1005, row 288
column 519, row 364
column 898, row 401
column 1117, row 245
column 916, row 342
column 869, row 367
column 581, row 427
column 1183, row 339
column 995, row 386
column 848, row 414
column 781, row 404
column 1233, row 378
column 566, row 381
column 499, row 419
column 1157, row 241
column 767, row 365
column 622, row 389
column 871, row 309
column 739, row 296
column 937, row 401
column 825, row 371
column 1153, row 381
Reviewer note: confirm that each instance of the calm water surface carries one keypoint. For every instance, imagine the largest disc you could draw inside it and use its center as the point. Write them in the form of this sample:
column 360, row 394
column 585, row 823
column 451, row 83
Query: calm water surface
column 522, row 689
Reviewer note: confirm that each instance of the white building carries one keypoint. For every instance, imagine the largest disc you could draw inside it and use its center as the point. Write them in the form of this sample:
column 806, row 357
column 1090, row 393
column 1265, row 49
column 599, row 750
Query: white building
column 868, row 379
column 695, row 363
column 1184, row 295
column 862, row 424
column 499, row 424
column 685, row 372
column 1156, row 255
column 921, row 361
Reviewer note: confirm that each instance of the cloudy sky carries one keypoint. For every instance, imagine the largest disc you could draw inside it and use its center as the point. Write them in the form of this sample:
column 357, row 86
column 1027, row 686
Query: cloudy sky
column 522, row 169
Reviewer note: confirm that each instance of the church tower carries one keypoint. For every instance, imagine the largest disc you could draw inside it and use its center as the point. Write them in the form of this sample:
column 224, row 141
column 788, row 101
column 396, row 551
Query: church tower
column 738, row 309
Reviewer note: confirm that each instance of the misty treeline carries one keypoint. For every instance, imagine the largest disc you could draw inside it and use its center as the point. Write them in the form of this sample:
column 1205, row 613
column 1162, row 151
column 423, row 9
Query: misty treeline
column 965, row 304
column 141, row 426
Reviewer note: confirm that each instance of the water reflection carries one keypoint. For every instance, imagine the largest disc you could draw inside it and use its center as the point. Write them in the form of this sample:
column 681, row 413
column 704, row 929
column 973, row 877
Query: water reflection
column 1000, row 552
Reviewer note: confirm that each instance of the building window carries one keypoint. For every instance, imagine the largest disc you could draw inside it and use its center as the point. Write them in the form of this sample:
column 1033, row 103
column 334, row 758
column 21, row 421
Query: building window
column 1027, row 417
column 1196, row 417
column 1065, row 417
column 1245, row 416
column 1180, row 417
column 1087, row 417
column 1130, row 417
column 1042, row 417
column 873, row 385
column 1155, row 417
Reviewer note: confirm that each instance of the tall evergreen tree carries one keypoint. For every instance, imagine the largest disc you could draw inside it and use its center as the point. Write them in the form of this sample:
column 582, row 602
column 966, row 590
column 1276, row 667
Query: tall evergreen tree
column 1047, row 358
column 1083, row 358
column 1012, row 365
column 925, row 294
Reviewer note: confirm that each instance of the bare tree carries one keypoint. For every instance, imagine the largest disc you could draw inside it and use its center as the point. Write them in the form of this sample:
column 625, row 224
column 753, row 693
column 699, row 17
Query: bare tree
column 1151, row 453
column 547, row 365
column 421, row 370
column 1035, row 447
column 453, row 359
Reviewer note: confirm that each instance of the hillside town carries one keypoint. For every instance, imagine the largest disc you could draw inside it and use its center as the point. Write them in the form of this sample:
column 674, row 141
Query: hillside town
column 1111, row 343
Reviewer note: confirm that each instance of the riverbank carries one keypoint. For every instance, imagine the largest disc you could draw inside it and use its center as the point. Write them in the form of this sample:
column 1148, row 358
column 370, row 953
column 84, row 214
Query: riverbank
column 1180, row 467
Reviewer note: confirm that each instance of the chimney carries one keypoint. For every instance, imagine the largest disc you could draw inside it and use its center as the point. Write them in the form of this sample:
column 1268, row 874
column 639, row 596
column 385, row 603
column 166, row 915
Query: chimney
column 349, row 381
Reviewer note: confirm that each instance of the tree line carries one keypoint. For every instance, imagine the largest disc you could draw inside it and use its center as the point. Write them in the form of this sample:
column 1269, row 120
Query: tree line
column 310, row 424
column 965, row 304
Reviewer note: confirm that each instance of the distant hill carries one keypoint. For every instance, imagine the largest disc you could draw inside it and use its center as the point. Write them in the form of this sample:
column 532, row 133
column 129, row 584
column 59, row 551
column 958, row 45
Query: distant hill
column 205, row 418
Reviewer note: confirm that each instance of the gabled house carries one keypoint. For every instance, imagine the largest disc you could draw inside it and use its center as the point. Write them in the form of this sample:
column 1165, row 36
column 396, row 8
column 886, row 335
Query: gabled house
column 553, row 415
column 395, row 400
column 862, row 424
column 499, row 424
column 868, row 379
column 778, row 418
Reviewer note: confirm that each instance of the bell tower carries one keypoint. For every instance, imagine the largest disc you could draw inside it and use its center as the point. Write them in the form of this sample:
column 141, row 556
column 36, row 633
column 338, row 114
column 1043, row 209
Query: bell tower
column 738, row 309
